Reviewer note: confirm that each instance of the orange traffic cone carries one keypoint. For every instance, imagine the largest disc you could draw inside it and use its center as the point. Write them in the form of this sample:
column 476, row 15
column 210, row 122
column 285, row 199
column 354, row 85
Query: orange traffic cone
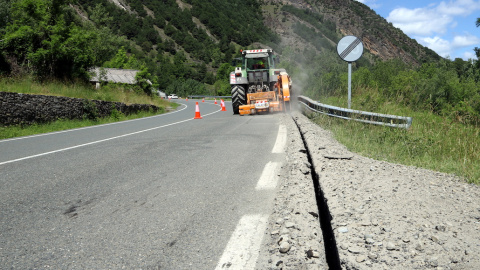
column 197, row 112
column 215, row 101
column 222, row 104
column 203, row 100
column 186, row 99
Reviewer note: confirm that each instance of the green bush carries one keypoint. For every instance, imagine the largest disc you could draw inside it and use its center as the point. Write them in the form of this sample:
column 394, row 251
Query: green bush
column 116, row 114
column 185, row 88
column 90, row 110
column 45, row 38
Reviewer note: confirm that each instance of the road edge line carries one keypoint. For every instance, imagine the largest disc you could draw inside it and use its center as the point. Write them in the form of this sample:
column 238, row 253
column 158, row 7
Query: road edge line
column 243, row 248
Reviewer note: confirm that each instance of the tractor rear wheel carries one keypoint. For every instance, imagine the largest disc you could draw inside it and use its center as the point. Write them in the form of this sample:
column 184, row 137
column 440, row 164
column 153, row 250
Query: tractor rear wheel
column 238, row 97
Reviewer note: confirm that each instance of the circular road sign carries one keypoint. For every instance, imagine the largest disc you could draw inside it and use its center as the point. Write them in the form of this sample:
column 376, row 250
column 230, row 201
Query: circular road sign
column 350, row 48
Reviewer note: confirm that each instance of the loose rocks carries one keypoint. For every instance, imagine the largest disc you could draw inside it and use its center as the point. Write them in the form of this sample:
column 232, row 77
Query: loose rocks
column 294, row 239
column 397, row 217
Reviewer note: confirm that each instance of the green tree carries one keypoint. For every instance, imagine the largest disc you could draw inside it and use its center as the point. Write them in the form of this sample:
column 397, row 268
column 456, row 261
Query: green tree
column 224, row 71
column 44, row 38
column 100, row 16
column 222, row 88
column 217, row 57
column 4, row 14
column 122, row 60
column 107, row 42
column 143, row 80
column 222, row 85
column 179, row 69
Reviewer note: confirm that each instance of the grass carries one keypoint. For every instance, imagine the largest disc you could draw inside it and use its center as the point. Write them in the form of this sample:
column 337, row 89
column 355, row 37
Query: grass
column 114, row 93
column 110, row 92
column 432, row 142
column 18, row 131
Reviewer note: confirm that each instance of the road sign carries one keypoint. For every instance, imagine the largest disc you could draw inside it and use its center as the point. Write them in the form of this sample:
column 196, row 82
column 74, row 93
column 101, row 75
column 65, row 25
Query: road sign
column 350, row 48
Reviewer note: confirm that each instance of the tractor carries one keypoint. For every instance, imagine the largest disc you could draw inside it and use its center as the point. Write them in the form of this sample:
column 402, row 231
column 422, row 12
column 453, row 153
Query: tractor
column 257, row 86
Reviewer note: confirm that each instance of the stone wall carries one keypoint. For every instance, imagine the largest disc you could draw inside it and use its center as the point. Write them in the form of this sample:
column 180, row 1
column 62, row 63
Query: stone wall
column 18, row 108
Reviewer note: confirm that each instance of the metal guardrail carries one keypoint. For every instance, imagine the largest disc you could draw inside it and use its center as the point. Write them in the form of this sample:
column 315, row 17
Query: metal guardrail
column 360, row 116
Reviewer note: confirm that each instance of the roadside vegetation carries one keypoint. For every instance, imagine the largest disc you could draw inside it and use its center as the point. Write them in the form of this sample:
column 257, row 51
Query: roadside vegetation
column 59, row 125
column 443, row 98
column 432, row 142
column 108, row 92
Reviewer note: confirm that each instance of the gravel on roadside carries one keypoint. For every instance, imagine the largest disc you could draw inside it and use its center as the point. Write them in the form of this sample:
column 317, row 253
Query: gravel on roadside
column 293, row 239
column 384, row 215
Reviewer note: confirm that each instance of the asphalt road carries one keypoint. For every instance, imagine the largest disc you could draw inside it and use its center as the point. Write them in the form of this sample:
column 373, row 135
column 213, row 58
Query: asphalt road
column 165, row 192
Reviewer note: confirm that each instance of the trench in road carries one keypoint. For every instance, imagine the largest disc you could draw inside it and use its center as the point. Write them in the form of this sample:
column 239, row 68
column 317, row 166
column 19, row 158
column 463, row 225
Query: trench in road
column 331, row 250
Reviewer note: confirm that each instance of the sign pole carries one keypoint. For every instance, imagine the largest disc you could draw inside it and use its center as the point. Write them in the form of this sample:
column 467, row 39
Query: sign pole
column 349, row 84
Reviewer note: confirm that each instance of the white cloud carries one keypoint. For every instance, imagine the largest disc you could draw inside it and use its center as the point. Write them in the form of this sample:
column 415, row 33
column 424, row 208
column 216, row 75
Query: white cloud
column 429, row 24
column 465, row 41
column 433, row 18
column 446, row 48
column 419, row 21
column 441, row 46
column 469, row 55
column 458, row 7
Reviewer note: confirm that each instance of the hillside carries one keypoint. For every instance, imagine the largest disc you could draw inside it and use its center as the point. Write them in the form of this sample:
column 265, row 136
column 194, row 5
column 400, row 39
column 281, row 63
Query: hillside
column 189, row 40
column 333, row 19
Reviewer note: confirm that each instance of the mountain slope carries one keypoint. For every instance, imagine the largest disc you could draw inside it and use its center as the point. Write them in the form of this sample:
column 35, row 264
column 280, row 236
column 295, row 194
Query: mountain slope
column 344, row 17
column 206, row 30
column 181, row 40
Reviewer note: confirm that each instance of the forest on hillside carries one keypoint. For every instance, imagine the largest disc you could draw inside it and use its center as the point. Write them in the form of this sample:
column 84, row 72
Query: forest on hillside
column 63, row 39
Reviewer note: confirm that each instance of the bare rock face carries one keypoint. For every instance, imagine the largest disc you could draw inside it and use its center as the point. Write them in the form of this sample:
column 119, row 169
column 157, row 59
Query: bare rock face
column 379, row 37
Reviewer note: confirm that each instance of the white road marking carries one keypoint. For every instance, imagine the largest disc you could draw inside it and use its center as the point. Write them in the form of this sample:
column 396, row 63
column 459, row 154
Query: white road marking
column 243, row 247
column 99, row 141
column 279, row 146
column 268, row 179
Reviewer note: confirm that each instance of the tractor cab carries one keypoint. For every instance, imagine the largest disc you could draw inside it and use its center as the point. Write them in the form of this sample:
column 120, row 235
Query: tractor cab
column 257, row 59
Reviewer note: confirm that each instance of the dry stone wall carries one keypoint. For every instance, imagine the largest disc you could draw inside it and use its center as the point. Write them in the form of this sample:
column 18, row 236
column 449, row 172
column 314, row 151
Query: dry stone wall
column 16, row 108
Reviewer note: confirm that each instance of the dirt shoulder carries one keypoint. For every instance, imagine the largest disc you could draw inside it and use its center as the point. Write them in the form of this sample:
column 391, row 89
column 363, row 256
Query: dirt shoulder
column 383, row 215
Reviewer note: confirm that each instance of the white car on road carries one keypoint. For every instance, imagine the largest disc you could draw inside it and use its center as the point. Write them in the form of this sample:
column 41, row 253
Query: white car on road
column 172, row 96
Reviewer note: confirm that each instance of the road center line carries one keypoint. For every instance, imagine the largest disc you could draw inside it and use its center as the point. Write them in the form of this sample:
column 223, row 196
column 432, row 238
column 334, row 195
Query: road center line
column 279, row 146
column 243, row 247
column 99, row 141
column 268, row 179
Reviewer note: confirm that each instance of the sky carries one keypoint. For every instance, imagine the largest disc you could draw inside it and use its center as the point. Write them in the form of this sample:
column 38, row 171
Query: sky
column 447, row 27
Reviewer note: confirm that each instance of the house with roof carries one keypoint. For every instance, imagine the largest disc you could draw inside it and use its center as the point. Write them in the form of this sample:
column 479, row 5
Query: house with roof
column 116, row 75
column 112, row 75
